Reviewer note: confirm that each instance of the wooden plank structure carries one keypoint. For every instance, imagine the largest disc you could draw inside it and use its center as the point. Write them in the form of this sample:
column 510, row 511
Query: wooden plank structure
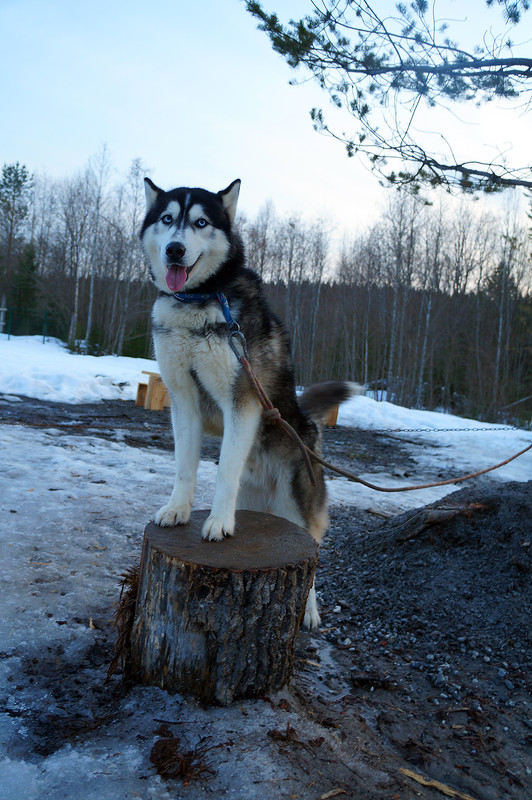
column 219, row 620
column 142, row 388
column 152, row 395
column 332, row 417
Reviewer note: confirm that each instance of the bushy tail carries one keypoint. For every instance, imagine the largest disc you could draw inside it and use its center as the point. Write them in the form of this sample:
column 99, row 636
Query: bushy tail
column 320, row 399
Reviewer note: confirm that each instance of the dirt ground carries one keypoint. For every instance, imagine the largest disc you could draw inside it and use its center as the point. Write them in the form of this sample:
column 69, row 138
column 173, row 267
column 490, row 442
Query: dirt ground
column 422, row 665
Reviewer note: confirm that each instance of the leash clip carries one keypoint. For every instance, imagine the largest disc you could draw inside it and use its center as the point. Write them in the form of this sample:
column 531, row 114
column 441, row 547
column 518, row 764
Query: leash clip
column 235, row 332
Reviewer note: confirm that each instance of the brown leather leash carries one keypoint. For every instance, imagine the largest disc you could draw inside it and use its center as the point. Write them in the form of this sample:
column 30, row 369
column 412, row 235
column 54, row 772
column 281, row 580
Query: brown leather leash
column 272, row 414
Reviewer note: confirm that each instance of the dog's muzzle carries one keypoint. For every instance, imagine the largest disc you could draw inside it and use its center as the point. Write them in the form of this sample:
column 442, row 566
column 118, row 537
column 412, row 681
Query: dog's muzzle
column 175, row 252
column 177, row 273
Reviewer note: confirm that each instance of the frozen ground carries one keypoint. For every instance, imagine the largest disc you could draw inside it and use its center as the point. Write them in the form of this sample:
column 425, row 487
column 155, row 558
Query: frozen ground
column 72, row 510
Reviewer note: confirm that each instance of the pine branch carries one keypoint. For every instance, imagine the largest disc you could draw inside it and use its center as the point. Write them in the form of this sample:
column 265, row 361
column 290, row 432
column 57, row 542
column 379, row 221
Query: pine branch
column 368, row 64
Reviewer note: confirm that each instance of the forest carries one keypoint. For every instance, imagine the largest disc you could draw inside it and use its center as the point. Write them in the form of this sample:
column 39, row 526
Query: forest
column 428, row 307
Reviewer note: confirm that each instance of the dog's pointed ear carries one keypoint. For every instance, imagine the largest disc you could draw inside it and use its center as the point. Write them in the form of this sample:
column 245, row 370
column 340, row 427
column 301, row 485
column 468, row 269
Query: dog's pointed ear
column 229, row 198
column 152, row 193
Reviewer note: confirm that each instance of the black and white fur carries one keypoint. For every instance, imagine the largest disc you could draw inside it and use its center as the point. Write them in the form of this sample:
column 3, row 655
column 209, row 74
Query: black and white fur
column 189, row 240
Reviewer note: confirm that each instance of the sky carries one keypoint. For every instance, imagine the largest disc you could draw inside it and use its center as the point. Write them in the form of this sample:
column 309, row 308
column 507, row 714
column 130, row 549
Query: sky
column 196, row 92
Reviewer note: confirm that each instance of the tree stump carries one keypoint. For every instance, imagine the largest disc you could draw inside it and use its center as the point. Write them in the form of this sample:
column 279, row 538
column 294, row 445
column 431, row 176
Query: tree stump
column 218, row 620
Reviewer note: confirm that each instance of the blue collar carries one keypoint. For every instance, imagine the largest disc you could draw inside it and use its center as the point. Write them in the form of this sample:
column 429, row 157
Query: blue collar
column 189, row 297
column 233, row 328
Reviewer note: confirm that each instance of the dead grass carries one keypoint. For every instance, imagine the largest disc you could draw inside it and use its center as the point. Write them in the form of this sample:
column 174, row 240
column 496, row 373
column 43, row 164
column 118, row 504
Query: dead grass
column 124, row 615
column 172, row 761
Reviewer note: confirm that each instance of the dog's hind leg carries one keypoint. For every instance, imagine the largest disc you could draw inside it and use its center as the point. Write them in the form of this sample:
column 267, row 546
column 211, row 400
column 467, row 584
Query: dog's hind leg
column 317, row 527
column 240, row 430
column 268, row 486
column 312, row 618
column 187, row 427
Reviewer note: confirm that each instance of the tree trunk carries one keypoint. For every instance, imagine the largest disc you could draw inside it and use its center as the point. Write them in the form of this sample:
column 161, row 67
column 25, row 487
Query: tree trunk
column 423, row 358
column 74, row 316
column 500, row 332
column 218, row 620
column 89, row 313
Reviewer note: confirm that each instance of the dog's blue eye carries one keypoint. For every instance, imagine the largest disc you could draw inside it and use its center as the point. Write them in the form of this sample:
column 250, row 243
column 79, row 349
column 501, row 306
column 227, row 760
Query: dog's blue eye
column 200, row 223
column 167, row 219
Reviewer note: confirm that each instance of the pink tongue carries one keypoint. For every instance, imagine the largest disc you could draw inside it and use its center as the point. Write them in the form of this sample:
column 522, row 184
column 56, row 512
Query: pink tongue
column 176, row 277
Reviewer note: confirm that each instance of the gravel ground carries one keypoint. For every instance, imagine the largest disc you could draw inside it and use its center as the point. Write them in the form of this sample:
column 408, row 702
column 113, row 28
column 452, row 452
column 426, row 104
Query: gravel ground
column 430, row 622
column 422, row 666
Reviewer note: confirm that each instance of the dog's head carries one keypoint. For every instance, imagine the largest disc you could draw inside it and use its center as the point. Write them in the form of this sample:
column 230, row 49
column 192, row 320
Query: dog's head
column 186, row 234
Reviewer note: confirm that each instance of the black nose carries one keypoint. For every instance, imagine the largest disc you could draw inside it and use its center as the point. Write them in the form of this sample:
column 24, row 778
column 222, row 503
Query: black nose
column 175, row 251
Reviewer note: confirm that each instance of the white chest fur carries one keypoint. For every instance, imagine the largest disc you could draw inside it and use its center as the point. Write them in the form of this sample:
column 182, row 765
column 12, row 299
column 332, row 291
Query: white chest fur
column 185, row 342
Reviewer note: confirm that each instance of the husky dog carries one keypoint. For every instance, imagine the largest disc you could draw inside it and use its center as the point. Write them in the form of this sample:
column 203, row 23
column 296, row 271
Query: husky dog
column 196, row 261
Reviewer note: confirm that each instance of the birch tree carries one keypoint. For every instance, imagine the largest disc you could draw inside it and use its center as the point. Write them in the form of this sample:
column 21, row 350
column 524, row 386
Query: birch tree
column 76, row 208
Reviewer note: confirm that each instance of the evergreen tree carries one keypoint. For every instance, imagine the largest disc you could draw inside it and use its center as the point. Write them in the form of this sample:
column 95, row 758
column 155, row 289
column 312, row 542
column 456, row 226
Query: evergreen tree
column 23, row 294
column 15, row 186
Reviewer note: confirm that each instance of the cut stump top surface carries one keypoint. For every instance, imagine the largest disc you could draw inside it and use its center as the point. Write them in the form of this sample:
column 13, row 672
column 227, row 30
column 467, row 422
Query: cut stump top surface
column 261, row 542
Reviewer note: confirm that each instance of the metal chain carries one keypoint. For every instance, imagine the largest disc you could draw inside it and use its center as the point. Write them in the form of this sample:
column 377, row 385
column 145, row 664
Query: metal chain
column 273, row 415
column 433, row 430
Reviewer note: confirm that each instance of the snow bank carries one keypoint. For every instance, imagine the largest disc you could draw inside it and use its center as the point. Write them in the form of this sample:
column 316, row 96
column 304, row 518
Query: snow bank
column 453, row 444
column 50, row 372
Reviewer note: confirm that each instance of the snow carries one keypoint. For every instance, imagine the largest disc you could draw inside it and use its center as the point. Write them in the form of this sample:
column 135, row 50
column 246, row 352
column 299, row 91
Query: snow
column 72, row 511
column 50, row 372
column 463, row 446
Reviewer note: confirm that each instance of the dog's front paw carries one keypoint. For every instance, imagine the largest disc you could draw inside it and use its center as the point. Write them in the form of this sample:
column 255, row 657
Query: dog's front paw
column 215, row 528
column 170, row 515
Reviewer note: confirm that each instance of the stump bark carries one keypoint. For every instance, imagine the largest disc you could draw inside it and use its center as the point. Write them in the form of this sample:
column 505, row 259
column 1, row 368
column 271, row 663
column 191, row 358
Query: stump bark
column 218, row 620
